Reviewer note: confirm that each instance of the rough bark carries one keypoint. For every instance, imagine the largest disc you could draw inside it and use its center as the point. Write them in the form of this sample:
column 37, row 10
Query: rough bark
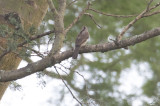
column 51, row 60
column 59, row 25
column 31, row 13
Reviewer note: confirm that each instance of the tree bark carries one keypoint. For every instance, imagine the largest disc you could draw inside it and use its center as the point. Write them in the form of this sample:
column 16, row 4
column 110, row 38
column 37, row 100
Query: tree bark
column 49, row 61
column 31, row 13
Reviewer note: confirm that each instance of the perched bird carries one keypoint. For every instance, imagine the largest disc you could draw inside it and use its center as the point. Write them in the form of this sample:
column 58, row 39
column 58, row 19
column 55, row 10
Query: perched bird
column 80, row 41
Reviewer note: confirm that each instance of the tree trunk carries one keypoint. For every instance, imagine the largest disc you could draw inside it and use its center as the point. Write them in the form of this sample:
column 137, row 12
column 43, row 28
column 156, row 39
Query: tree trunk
column 31, row 13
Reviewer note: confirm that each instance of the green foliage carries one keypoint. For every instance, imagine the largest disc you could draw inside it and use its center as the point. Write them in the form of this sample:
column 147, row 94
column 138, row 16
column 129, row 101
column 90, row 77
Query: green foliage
column 13, row 19
column 150, row 88
column 15, row 34
column 15, row 86
column 4, row 30
column 32, row 30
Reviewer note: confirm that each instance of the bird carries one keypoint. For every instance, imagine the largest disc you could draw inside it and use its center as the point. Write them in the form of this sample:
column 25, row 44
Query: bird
column 81, row 40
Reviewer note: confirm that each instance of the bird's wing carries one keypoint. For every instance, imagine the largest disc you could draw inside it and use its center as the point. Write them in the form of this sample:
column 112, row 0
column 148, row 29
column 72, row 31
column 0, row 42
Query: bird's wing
column 82, row 38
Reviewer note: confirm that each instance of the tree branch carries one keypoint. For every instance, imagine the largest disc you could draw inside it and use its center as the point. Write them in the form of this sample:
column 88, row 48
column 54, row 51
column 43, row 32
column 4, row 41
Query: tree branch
column 52, row 60
column 52, row 7
column 77, row 18
column 112, row 15
column 62, row 6
column 153, row 13
column 141, row 15
column 92, row 18
column 71, row 3
column 59, row 25
column 68, row 87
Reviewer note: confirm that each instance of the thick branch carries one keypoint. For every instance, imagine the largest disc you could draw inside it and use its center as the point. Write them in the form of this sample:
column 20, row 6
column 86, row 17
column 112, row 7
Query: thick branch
column 59, row 25
column 52, row 60
column 62, row 6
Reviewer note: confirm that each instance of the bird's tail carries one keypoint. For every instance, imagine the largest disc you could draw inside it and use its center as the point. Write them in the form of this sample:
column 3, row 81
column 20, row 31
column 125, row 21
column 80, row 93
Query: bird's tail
column 75, row 54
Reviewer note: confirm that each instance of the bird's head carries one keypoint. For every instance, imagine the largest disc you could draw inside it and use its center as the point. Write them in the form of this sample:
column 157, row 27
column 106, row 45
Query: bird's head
column 84, row 27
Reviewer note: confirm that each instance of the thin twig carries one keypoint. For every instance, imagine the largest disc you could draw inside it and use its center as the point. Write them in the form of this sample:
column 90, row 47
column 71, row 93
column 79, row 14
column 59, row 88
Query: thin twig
column 149, row 5
column 63, row 70
column 153, row 13
column 64, row 67
column 112, row 15
column 36, row 37
column 84, row 80
column 71, row 3
column 77, row 18
column 155, row 6
column 35, row 51
column 67, row 87
column 52, row 7
column 91, row 16
column 50, row 39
